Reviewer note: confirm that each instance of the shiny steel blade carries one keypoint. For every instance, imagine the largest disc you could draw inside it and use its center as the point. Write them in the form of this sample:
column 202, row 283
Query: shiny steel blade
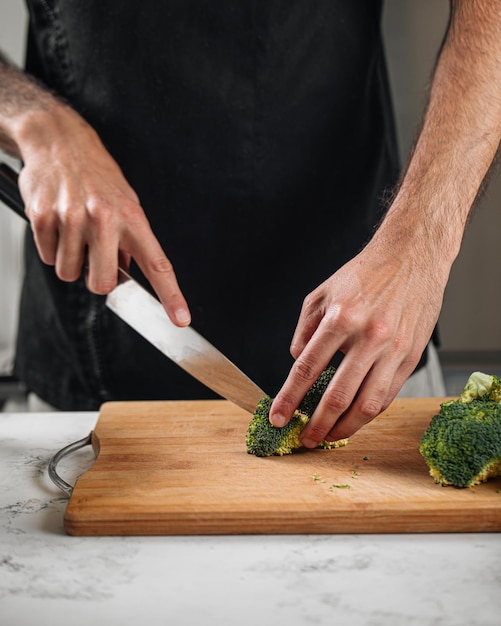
column 145, row 314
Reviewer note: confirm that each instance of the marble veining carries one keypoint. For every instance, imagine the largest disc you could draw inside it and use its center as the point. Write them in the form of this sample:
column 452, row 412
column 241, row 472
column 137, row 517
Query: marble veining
column 49, row 578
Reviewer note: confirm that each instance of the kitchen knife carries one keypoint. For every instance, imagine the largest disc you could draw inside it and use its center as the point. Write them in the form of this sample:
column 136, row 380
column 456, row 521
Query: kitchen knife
column 145, row 314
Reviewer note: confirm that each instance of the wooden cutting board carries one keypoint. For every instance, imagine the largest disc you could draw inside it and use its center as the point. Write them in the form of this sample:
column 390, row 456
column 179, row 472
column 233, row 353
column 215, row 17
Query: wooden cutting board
column 181, row 468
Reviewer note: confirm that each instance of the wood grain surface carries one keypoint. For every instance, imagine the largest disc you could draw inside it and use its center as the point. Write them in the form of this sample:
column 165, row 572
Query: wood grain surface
column 181, row 468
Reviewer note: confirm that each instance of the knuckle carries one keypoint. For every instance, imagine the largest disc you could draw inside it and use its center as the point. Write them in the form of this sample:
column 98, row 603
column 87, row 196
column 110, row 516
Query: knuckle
column 285, row 403
column 310, row 305
column 340, row 314
column 336, row 401
column 305, row 371
column 313, row 306
column 331, row 329
column 69, row 222
column 70, row 217
column 161, row 265
column 99, row 212
column 378, row 332
column 40, row 216
column 316, row 432
column 133, row 210
column 370, row 409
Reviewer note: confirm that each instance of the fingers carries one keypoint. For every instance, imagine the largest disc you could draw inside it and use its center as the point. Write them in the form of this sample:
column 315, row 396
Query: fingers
column 76, row 225
column 379, row 356
column 45, row 234
column 364, row 312
column 359, row 391
column 314, row 329
column 40, row 211
column 103, row 233
column 310, row 318
column 148, row 254
column 306, row 369
column 350, row 389
column 84, row 212
column 71, row 240
column 69, row 232
column 374, row 397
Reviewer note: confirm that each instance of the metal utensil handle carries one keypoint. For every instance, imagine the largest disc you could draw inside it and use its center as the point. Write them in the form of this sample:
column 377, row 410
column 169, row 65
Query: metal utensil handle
column 72, row 447
column 9, row 194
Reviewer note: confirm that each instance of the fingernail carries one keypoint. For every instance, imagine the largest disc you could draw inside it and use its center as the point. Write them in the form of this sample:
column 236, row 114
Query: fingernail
column 182, row 317
column 278, row 420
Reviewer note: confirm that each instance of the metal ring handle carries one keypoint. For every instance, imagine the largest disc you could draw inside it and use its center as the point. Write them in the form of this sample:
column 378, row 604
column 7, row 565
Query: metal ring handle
column 72, row 447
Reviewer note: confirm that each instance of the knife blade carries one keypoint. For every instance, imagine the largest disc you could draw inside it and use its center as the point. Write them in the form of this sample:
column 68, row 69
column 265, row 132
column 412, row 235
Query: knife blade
column 133, row 304
column 183, row 345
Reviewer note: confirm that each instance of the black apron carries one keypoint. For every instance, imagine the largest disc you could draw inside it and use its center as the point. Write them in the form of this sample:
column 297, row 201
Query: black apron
column 259, row 137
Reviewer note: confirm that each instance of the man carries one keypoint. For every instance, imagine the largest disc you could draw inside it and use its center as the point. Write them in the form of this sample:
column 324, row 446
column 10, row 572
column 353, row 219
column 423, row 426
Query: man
column 255, row 144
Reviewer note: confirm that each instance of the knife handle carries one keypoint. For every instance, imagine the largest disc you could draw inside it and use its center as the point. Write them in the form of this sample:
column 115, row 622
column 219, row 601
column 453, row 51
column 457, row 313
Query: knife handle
column 9, row 191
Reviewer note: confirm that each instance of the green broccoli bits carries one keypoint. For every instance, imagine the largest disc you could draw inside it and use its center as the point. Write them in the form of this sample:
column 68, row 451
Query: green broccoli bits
column 264, row 439
column 462, row 445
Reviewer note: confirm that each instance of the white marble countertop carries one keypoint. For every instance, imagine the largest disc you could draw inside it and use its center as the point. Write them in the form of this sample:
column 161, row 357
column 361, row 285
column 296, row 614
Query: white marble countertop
column 50, row 578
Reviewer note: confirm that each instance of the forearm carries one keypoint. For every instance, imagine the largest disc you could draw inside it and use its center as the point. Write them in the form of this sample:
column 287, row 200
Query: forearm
column 459, row 137
column 31, row 117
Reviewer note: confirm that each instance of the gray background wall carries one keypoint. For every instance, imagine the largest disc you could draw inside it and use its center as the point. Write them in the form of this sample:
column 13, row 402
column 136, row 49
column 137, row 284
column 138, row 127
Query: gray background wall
column 12, row 34
column 413, row 30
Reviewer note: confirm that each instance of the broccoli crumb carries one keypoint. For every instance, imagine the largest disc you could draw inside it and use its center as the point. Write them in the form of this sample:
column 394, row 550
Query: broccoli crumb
column 339, row 486
column 366, row 458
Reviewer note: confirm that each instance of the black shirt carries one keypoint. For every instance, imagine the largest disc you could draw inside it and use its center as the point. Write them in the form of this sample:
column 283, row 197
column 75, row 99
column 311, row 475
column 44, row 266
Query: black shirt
column 260, row 140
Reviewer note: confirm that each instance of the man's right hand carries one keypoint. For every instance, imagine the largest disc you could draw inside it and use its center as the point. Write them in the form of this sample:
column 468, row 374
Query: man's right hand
column 81, row 208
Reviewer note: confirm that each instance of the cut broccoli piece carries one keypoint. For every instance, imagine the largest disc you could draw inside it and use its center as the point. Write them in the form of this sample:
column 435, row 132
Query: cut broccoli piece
column 462, row 445
column 314, row 395
column 264, row 439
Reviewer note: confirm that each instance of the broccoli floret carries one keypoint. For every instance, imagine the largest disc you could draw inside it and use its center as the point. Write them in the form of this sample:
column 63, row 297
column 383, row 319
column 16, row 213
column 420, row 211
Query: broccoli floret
column 264, row 439
column 480, row 385
column 462, row 445
column 314, row 395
